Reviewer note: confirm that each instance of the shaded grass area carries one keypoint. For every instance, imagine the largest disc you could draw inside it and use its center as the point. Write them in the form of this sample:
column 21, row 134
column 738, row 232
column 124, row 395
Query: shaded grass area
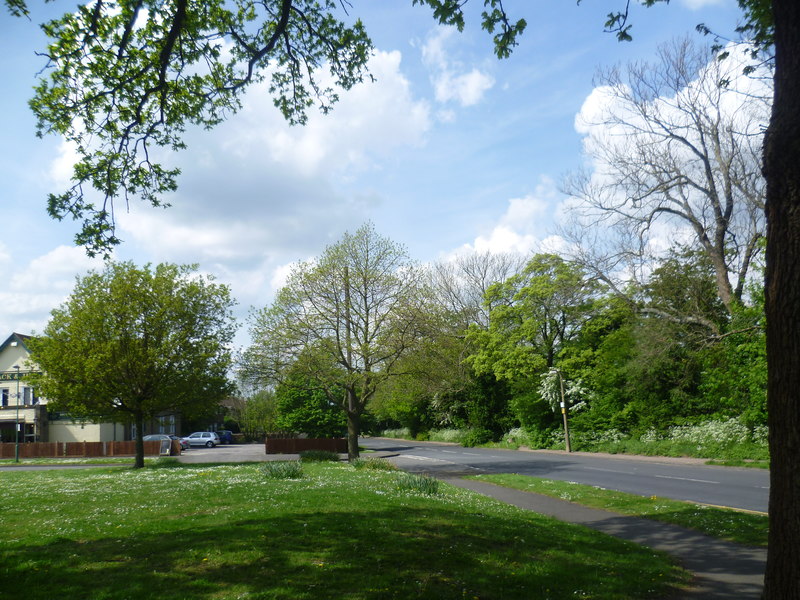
column 732, row 525
column 193, row 531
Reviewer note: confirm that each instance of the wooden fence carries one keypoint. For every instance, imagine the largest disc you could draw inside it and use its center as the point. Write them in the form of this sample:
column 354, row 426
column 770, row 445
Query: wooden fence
column 82, row 449
column 297, row 445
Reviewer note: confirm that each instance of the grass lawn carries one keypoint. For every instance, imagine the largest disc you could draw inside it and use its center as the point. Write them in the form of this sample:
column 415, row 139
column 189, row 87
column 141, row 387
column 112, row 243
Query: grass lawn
column 228, row 531
column 735, row 526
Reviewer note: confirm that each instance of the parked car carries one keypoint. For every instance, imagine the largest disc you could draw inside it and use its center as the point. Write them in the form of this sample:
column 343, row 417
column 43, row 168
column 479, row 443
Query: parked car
column 226, row 436
column 203, row 438
column 166, row 436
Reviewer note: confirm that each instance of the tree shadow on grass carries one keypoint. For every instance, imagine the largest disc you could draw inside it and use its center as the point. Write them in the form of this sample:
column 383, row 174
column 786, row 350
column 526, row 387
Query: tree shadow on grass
column 436, row 552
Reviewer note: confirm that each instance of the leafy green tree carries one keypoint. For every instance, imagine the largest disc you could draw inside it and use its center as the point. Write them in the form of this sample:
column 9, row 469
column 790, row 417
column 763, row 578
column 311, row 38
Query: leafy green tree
column 536, row 314
column 132, row 342
column 344, row 321
column 186, row 78
column 305, row 408
column 257, row 415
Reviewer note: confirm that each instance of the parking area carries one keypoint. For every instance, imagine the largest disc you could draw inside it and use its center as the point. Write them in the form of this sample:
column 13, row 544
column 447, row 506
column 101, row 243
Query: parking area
column 233, row 453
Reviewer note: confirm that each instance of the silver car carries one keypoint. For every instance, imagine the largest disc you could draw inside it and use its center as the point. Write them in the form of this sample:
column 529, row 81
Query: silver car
column 209, row 439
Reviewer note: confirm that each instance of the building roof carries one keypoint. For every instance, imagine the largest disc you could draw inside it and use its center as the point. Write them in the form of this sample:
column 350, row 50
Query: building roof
column 19, row 338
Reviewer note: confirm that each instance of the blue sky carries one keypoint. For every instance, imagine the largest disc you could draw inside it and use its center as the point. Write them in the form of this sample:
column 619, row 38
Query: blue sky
column 449, row 150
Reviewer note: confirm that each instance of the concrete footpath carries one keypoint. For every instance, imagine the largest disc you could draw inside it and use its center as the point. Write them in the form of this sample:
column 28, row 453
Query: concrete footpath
column 721, row 569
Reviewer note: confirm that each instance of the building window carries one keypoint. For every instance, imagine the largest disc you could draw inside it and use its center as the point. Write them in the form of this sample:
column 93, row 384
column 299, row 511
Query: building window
column 27, row 396
column 4, row 397
column 166, row 424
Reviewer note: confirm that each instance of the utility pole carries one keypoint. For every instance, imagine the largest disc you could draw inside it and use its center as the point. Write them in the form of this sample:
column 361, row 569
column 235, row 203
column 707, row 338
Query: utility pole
column 16, row 421
column 564, row 409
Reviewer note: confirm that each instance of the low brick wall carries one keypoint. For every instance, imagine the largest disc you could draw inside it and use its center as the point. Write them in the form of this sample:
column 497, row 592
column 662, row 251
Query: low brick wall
column 297, row 445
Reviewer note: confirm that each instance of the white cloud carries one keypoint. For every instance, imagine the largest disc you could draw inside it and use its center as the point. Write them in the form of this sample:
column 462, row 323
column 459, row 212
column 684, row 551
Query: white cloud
column 466, row 89
column 37, row 288
column 522, row 227
column 368, row 122
column 61, row 167
column 451, row 81
column 699, row 4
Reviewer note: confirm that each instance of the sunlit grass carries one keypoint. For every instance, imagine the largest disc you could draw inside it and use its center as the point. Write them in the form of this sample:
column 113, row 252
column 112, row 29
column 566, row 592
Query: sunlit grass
column 220, row 532
column 737, row 526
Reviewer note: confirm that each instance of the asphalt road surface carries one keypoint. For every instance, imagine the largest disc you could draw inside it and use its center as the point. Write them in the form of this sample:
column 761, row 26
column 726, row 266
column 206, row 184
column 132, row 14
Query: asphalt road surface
column 680, row 479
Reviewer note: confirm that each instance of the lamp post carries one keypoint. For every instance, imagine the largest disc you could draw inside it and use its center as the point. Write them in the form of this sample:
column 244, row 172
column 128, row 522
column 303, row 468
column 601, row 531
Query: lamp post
column 563, row 409
column 16, row 424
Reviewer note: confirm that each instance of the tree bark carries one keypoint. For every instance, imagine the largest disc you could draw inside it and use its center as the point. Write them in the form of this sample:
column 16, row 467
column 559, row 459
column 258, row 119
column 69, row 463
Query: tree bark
column 138, row 463
column 353, row 431
column 782, row 286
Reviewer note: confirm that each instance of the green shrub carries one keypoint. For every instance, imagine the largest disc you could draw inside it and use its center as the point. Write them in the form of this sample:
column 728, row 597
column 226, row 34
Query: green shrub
column 476, row 437
column 374, row 464
column 284, row 469
column 454, row 436
column 318, row 456
column 424, row 484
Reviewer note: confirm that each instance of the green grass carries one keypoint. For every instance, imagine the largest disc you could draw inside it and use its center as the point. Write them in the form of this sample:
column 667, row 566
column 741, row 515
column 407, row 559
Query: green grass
column 224, row 532
column 751, row 464
column 732, row 525
column 101, row 460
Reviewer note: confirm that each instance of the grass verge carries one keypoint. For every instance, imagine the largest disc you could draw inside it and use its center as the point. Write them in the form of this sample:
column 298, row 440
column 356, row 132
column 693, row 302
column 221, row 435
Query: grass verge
column 751, row 464
column 732, row 525
column 102, row 460
column 200, row 532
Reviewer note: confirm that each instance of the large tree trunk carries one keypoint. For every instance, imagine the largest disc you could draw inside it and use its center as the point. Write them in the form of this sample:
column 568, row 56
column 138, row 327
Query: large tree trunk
column 138, row 463
column 782, row 172
column 353, row 431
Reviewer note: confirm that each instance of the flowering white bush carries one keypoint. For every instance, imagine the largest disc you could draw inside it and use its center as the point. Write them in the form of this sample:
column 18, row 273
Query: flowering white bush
column 651, row 435
column 723, row 433
column 403, row 432
column 599, row 437
column 576, row 394
column 731, row 431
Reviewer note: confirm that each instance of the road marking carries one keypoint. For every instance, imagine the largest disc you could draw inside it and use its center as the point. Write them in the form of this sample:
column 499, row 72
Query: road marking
column 685, row 479
column 609, row 470
column 449, row 452
column 414, row 457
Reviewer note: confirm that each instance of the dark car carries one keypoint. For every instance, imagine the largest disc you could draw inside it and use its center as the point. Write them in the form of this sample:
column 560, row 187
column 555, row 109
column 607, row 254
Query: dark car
column 225, row 436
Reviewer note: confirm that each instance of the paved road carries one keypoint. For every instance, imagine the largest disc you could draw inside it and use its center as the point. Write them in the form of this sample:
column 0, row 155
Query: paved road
column 680, row 479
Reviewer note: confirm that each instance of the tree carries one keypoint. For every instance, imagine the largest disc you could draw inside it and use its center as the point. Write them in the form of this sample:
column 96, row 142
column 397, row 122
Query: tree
column 124, row 79
column 774, row 25
column 534, row 314
column 671, row 145
column 257, row 415
column 131, row 342
column 302, row 407
column 344, row 321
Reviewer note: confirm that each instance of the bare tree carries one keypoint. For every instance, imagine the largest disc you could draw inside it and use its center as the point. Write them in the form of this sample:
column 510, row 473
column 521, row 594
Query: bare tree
column 675, row 148
column 460, row 285
column 344, row 321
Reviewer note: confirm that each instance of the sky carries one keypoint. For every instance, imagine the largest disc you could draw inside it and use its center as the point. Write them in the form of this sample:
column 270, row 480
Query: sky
column 449, row 150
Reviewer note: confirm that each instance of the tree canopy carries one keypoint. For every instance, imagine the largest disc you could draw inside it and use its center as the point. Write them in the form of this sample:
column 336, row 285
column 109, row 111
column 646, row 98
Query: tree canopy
column 344, row 321
column 132, row 342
